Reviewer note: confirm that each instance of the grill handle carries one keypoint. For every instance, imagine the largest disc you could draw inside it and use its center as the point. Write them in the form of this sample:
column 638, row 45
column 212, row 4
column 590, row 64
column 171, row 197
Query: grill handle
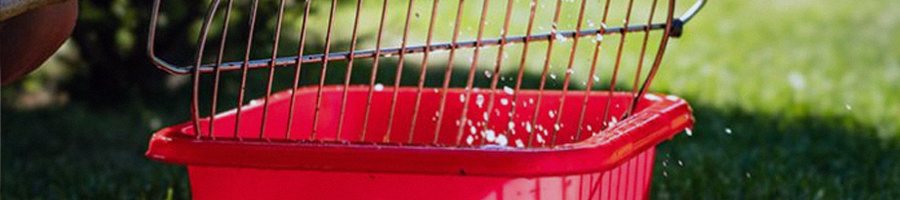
column 678, row 24
column 676, row 31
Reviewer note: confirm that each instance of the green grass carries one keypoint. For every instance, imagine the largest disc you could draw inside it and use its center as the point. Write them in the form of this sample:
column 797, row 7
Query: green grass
column 83, row 152
column 809, row 90
column 776, row 157
column 813, row 58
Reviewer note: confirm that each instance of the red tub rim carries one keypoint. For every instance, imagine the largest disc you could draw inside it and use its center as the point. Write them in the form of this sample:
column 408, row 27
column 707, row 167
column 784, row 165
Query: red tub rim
column 661, row 120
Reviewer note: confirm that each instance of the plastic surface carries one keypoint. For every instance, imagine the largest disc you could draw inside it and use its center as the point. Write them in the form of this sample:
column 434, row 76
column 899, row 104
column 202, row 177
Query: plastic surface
column 630, row 180
column 224, row 163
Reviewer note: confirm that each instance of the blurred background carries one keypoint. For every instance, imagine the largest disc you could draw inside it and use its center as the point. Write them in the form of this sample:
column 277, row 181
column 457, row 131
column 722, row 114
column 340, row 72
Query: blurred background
column 793, row 99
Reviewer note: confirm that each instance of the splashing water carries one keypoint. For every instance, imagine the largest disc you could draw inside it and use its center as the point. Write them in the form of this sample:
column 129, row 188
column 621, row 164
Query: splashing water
column 501, row 140
column 508, row 90
column 560, row 37
column 379, row 87
column 489, row 135
column 479, row 100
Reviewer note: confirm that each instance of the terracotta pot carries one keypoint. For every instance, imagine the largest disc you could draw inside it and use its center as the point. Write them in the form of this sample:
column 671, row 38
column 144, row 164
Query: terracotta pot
column 28, row 39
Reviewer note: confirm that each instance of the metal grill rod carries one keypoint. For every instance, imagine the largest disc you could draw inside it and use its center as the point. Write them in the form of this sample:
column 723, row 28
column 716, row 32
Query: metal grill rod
column 388, row 52
column 174, row 69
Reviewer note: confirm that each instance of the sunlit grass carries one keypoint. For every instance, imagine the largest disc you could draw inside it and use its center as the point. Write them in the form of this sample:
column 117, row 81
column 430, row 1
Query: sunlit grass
column 820, row 58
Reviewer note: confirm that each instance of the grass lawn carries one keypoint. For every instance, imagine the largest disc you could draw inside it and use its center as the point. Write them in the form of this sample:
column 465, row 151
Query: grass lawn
column 807, row 89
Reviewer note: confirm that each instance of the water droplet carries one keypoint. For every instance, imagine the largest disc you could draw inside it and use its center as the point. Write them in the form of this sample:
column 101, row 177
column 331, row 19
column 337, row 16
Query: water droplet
column 511, row 125
column 519, row 143
column 379, row 87
column 489, row 135
column 689, row 132
column 508, row 90
column 553, row 76
column 747, row 174
column 528, row 127
column 552, row 114
column 570, row 71
column 479, row 100
column 612, row 121
column 847, row 106
column 728, row 130
column 680, row 163
column 599, row 37
column 501, row 140
column 560, row 37
column 596, row 78
column 487, row 73
column 503, row 101
column 469, row 140
column 472, row 129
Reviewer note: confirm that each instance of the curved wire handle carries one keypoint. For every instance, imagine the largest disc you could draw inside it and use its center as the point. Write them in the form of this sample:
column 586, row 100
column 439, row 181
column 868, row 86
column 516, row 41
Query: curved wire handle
column 676, row 31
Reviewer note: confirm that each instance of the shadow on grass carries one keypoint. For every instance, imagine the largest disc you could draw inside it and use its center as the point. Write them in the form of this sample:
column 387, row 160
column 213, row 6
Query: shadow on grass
column 75, row 152
column 772, row 157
